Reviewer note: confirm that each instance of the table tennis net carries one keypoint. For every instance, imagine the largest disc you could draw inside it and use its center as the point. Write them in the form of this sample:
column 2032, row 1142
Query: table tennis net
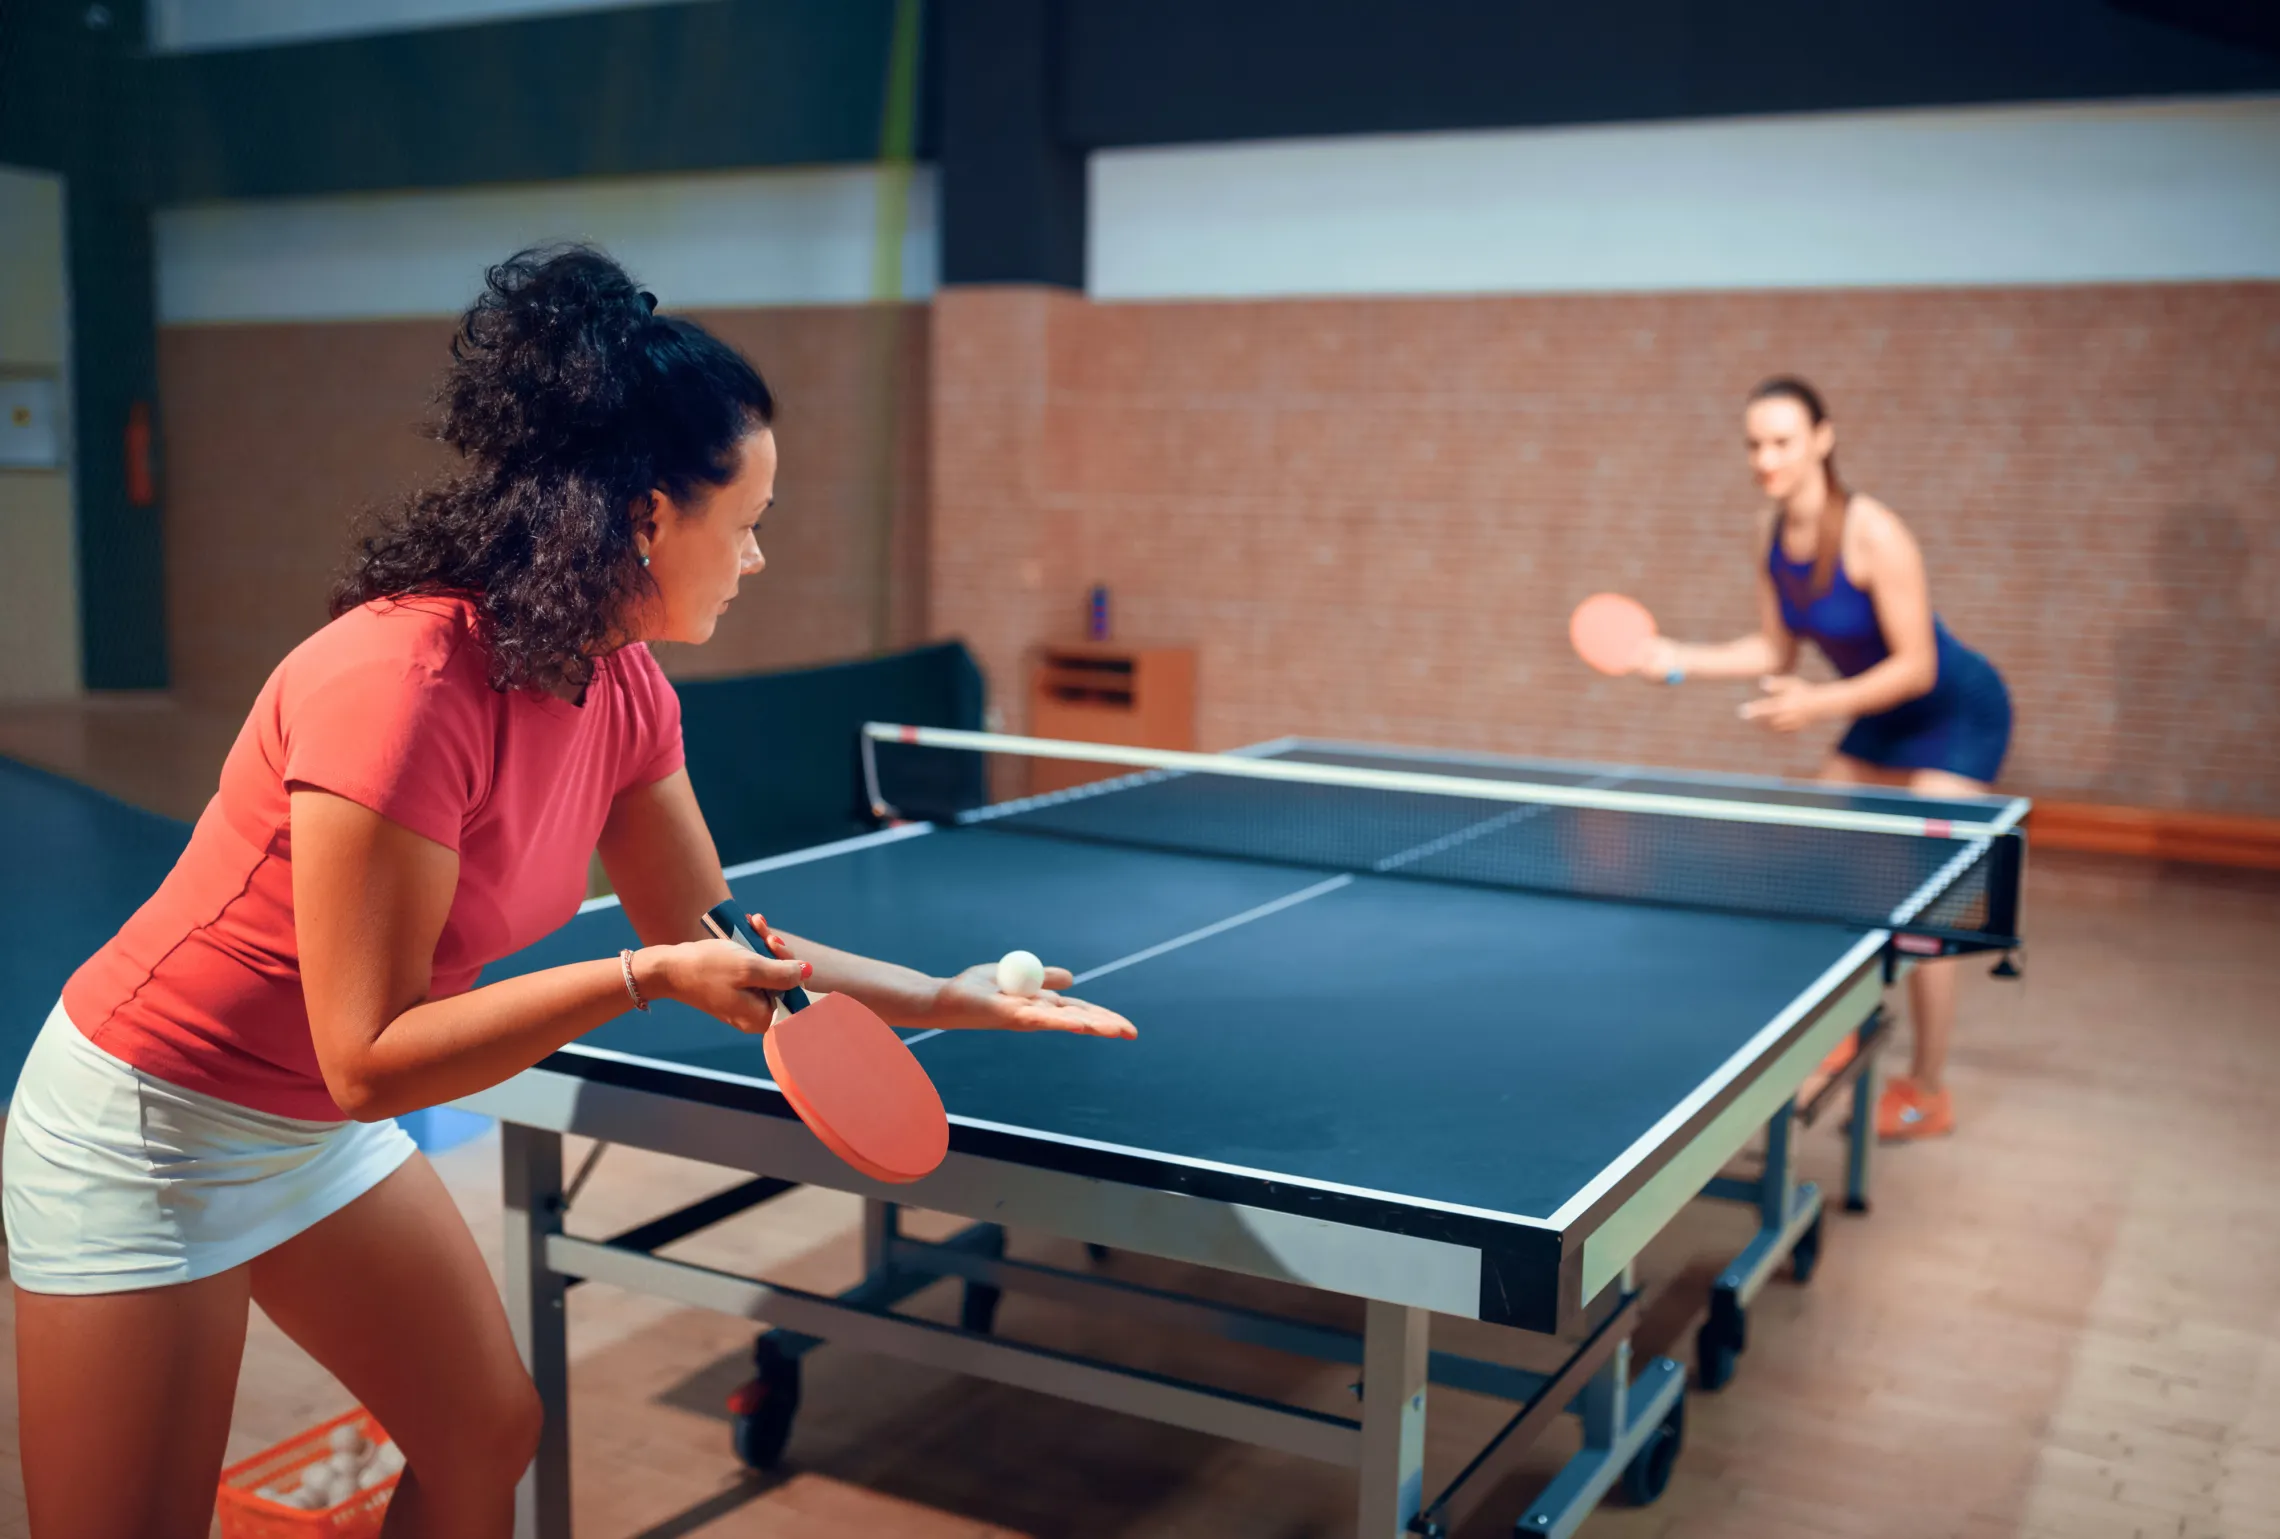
column 1958, row 888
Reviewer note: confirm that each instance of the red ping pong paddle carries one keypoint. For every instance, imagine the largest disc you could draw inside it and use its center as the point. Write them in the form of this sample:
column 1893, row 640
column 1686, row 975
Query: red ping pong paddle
column 851, row 1079
column 1611, row 632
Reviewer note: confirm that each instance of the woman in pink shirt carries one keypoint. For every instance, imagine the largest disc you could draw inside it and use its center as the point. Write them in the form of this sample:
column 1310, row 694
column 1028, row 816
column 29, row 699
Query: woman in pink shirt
column 204, row 1121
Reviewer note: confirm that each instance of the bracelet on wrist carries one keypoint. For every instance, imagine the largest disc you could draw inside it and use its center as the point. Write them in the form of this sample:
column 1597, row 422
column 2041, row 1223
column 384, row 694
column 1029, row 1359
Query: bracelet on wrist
column 633, row 989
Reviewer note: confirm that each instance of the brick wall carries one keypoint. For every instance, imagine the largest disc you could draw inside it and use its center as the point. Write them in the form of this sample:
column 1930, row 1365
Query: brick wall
column 1372, row 516
column 276, row 435
column 846, row 541
column 1006, row 553
column 273, row 438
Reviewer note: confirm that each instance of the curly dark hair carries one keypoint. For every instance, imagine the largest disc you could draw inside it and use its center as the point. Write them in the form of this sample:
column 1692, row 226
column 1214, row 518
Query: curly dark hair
column 570, row 400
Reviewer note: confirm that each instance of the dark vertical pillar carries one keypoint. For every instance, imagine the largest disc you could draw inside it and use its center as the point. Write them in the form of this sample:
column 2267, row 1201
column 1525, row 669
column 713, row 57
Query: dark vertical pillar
column 1013, row 191
column 118, row 473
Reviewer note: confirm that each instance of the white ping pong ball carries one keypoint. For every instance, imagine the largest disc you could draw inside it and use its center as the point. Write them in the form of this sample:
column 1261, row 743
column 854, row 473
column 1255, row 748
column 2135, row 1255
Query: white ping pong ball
column 1019, row 972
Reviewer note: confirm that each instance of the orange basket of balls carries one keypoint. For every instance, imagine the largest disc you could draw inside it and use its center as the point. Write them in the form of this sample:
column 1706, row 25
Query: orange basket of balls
column 333, row 1480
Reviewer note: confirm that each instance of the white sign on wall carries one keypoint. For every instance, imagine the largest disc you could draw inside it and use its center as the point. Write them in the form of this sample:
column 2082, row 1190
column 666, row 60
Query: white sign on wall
column 30, row 436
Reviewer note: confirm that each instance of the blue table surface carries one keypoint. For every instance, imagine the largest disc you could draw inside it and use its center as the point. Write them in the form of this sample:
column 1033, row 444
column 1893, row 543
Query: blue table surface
column 1493, row 1049
column 1457, row 1044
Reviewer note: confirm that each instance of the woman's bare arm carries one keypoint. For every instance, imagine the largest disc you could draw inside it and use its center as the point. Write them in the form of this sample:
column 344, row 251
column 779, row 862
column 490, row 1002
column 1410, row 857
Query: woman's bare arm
column 370, row 898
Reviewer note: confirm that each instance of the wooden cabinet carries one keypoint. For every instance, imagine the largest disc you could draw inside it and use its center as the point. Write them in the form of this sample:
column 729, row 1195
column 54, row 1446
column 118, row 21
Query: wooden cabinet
column 1109, row 692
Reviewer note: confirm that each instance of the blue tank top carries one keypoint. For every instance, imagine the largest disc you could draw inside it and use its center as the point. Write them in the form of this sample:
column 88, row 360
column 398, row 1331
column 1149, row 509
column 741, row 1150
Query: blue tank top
column 1962, row 724
column 1842, row 621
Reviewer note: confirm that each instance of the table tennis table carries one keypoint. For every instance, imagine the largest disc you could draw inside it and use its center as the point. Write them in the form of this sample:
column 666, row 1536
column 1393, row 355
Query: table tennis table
column 1443, row 1033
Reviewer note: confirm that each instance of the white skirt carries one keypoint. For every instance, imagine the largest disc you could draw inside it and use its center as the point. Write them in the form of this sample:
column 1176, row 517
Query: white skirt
column 112, row 1180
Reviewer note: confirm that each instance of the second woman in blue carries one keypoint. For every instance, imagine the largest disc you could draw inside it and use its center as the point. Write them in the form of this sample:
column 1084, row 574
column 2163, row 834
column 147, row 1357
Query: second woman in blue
column 1927, row 713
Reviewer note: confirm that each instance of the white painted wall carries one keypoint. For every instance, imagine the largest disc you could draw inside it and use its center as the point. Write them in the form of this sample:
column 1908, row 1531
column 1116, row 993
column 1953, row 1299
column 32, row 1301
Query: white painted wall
column 2113, row 192
column 190, row 26
column 802, row 236
column 39, row 561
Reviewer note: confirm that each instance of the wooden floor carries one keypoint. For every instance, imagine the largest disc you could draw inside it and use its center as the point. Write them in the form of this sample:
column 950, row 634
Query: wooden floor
column 2063, row 1322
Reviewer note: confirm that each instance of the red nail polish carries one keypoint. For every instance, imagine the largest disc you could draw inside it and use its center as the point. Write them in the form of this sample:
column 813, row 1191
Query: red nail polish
column 807, row 971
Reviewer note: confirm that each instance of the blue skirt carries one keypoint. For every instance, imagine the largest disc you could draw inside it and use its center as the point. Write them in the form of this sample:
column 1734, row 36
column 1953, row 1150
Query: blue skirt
column 1962, row 726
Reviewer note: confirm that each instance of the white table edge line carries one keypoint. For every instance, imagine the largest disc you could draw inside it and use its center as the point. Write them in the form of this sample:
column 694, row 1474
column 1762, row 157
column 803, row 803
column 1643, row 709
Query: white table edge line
column 791, row 858
column 1070, row 1140
column 1678, row 1116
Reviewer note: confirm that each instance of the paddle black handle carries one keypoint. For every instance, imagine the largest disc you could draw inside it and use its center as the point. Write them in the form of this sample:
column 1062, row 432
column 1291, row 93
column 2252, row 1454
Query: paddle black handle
column 727, row 921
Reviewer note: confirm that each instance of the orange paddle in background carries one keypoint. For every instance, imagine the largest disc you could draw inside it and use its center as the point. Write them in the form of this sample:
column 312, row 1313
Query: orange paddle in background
column 848, row 1076
column 1611, row 632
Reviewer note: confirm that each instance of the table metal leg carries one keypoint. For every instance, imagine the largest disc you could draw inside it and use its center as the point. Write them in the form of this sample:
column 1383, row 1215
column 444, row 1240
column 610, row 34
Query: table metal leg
column 1631, row 1433
column 1603, row 1405
column 1394, row 1361
column 1860, row 1141
column 531, row 1168
column 1789, row 1228
column 881, row 1224
column 1777, row 1188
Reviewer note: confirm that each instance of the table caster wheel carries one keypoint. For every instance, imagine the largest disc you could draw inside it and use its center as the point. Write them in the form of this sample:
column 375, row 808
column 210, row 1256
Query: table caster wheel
column 1720, row 1341
column 761, row 1412
column 1648, row 1473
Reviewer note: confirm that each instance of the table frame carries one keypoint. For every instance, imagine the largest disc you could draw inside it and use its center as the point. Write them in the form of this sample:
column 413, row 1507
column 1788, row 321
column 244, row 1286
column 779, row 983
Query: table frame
column 1588, row 1292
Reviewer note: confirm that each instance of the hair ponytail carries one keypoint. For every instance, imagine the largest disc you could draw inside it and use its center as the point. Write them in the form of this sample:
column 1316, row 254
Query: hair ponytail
column 1829, row 540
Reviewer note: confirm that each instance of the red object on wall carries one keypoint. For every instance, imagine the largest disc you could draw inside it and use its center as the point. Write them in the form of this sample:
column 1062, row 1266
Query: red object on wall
column 142, row 482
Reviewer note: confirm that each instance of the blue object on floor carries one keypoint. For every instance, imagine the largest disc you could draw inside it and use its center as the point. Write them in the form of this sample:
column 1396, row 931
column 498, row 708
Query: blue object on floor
column 444, row 1127
column 78, row 863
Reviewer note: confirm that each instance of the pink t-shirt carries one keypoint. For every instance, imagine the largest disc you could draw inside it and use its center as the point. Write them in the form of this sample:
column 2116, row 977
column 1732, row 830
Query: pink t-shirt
column 388, row 706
